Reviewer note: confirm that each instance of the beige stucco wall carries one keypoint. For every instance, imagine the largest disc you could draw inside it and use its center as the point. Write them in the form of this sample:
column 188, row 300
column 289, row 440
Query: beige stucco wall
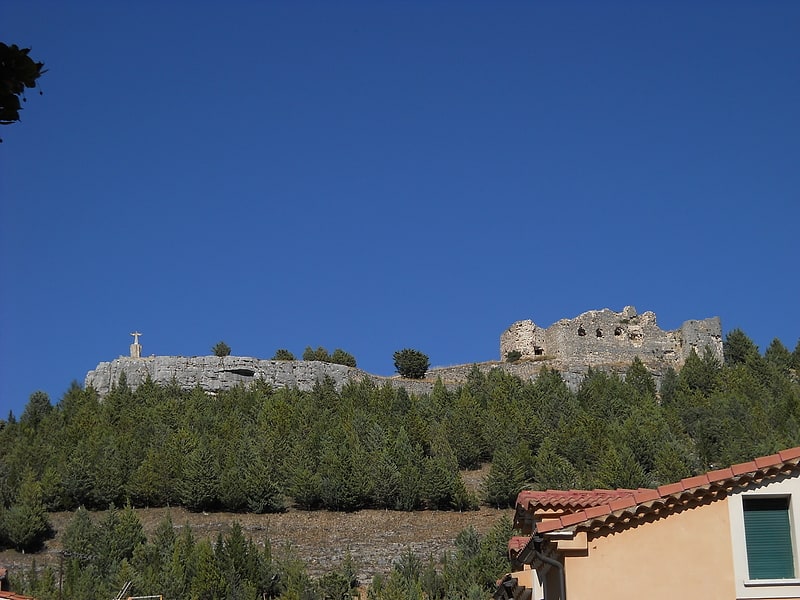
column 687, row 555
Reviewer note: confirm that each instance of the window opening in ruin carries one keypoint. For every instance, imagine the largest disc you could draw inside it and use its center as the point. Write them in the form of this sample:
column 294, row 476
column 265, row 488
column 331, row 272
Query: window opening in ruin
column 581, row 331
column 618, row 331
column 538, row 350
column 599, row 332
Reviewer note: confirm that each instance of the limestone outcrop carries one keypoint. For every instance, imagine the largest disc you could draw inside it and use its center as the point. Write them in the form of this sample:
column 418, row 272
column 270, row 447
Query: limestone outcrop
column 216, row 373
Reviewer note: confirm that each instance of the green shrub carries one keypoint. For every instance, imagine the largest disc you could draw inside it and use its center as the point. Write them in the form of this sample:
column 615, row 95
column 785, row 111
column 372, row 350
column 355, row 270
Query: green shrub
column 340, row 357
column 221, row 349
column 411, row 364
column 283, row 354
column 320, row 354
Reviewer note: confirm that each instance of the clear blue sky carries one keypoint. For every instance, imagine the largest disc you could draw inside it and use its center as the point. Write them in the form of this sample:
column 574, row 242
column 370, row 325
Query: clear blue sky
column 378, row 175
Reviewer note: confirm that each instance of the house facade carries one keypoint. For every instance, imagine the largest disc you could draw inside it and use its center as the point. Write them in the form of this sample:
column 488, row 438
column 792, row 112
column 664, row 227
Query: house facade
column 728, row 534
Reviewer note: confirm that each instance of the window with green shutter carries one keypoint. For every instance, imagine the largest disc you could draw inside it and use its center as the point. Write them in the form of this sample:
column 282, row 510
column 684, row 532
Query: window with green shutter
column 768, row 538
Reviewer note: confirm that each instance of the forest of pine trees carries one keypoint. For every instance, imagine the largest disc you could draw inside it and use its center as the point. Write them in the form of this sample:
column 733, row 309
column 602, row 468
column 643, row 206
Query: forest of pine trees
column 101, row 555
column 259, row 449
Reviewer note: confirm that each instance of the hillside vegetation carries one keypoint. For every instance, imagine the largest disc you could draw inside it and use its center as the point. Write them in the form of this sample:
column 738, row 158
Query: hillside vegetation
column 260, row 449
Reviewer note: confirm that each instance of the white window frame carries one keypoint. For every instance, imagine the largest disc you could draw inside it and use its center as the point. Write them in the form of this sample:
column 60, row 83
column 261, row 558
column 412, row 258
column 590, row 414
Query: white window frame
column 782, row 487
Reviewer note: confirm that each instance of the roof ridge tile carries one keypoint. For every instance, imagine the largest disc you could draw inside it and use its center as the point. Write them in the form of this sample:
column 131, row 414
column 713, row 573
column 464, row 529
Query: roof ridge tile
column 645, row 495
column 622, row 503
column 597, row 511
column 790, row 454
column 768, row 461
column 696, row 481
column 742, row 468
column 573, row 518
column 719, row 475
column 669, row 489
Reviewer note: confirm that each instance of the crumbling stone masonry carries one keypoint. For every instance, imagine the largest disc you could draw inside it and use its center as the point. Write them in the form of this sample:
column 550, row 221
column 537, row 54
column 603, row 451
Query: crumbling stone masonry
column 605, row 338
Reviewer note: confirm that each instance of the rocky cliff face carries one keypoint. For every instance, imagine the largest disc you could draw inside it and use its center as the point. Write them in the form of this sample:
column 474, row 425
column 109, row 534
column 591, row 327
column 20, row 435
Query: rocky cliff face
column 215, row 373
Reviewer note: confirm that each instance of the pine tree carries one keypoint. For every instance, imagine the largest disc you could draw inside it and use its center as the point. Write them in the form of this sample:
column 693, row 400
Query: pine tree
column 408, row 457
column 505, row 480
column 700, row 374
column 552, row 471
column 232, row 485
column 737, row 347
column 669, row 386
column 618, row 469
column 25, row 523
column 340, row 357
column 779, row 356
column 208, row 583
column 410, row 363
column 263, row 493
column 221, row 349
column 639, row 378
column 198, row 485
column 128, row 534
column 796, row 358
column 385, row 479
column 180, row 568
column 465, row 431
column 36, row 410
column 283, row 354
column 320, row 354
column 671, row 464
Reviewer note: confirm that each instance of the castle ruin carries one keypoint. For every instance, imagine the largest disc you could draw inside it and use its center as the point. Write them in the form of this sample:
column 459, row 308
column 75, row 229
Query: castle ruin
column 597, row 339
column 605, row 338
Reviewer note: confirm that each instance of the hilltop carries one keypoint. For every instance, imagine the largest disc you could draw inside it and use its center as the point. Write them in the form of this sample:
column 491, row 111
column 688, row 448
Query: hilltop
column 598, row 339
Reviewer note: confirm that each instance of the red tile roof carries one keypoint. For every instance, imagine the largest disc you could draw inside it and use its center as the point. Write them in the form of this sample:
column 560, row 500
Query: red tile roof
column 518, row 542
column 570, row 499
column 13, row 596
column 596, row 509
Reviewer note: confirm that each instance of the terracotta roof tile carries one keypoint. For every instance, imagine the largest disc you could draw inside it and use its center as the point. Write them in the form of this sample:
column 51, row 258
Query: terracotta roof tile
column 518, row 542
column 790, row 454
column 768, row 461
column 743, row 468
column 551, row 525
column 596, row 511
column 569, row 498
column 573, row 518
column 668, row 490
column 693, row 482
column 719, row 475
column 646, row 496
column 622, row 503
column 581, row 506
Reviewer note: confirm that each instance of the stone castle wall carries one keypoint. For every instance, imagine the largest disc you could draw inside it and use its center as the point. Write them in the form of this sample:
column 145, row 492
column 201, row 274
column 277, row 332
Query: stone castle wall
column 604, row 337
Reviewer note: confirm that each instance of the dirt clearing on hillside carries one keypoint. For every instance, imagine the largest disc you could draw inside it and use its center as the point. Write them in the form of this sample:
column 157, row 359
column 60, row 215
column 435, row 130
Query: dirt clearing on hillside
column 374, row 538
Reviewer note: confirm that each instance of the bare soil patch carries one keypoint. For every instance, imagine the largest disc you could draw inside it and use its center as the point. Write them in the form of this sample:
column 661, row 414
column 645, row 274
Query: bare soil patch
column 374, row 538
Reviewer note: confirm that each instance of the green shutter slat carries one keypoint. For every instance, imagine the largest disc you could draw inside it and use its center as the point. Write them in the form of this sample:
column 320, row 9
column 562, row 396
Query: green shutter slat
column 768, row 538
